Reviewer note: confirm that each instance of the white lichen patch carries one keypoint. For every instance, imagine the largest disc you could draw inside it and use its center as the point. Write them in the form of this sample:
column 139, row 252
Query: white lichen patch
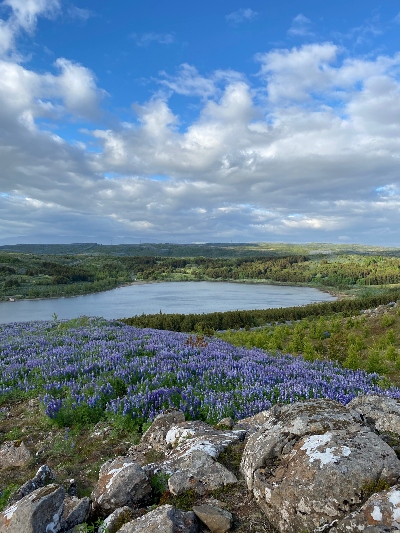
column 394, row 499
column 115, row 472
column 376, row 514
column 177, row 434
column 326, row 456
column 10, row 511
column 204, row 446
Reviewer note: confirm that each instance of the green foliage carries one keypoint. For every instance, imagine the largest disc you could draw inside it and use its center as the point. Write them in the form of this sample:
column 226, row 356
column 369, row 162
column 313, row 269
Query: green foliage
column 387, row 320
column 159, row 484
column 371, row 487
column 183, row 501
column 240, row 319
column 376, row 362
column 6, row 494
column 90, row 528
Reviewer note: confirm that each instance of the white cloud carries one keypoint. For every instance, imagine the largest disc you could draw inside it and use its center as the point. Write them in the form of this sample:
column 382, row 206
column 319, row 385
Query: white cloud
column 26, row 12
column 317, row 158
column 188, row 82
column 80, row 13
column 301, row 27
column 77, row 87
column 24, row 15
column 241, row 15
column 145, row 39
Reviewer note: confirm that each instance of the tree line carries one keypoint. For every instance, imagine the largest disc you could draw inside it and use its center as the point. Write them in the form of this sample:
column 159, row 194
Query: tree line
column 210, row 322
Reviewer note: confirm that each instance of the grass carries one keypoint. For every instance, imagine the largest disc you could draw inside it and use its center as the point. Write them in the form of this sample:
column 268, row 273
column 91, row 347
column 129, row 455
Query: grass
column 369, row 342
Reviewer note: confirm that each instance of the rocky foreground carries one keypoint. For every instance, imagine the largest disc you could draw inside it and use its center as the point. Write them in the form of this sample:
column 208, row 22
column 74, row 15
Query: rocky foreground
column 311, row 466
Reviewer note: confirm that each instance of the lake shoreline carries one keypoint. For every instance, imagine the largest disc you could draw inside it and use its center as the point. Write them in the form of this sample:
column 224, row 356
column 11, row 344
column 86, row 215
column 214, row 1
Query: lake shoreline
column 333, row 292
column 139, row 298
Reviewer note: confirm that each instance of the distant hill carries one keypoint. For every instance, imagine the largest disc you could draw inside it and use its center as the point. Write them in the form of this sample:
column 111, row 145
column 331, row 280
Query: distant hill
column 197, row 250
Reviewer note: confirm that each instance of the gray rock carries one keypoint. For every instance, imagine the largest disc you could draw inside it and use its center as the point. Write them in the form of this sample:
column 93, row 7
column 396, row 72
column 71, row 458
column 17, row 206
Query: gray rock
column 116, row 520
column 14, row 453
column 307, row 465
column 217, row 520
column 121, row 482
column 39, row 512
column 381, row 512
column 201, row 473
column 253, row 423
column 155, row 435
column 164, row 519
column 380, row 413
column 187, row 437
column 195, row 435
column 226, row 423
column 76, row 511
column 43, row 475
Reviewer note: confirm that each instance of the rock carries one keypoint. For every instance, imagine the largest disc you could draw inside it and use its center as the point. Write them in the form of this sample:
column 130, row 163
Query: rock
column 155, row 435
column 164, row 519
column 42, row 476
column 72, row 488
column 118, row 518
column 76, row 511
column 121, row 482
column 226, row 423
column 253, row 423
column 188, row 437
column 307, row 465
column 38, row 512
column 14, row 453
column 217, row 520
column 380, row 413
column 201, row 473
column 381, row 511
column 194, row 435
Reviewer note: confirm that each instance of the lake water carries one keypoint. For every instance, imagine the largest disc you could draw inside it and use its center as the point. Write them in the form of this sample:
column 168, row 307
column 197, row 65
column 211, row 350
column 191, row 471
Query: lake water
column 171, row 297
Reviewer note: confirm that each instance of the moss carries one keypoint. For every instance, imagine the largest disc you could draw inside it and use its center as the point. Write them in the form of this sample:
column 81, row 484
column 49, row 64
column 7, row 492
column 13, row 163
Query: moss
column 371, row 487
column 183, row 501
column 232, row 456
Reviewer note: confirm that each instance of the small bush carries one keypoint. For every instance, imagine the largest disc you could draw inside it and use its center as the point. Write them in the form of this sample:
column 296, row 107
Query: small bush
column 387, row 320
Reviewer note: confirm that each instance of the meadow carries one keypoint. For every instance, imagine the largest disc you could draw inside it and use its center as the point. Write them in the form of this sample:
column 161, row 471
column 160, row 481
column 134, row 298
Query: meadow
column 86, row 370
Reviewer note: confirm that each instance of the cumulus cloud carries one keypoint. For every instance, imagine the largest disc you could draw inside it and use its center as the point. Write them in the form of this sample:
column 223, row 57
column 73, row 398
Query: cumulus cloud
column 308, row 150
column 145, row 39
column 241, row 15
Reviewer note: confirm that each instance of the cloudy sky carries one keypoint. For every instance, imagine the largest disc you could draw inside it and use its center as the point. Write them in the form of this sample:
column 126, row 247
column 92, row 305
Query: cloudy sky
column 205, row 121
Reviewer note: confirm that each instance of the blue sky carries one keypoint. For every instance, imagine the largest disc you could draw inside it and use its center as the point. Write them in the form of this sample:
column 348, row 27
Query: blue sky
column 199, row 121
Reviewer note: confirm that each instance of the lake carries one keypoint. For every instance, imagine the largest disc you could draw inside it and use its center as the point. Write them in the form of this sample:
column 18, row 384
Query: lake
column 169, row 297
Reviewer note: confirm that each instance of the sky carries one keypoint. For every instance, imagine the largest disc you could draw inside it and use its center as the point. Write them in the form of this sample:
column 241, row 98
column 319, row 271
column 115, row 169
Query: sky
column 230, row 121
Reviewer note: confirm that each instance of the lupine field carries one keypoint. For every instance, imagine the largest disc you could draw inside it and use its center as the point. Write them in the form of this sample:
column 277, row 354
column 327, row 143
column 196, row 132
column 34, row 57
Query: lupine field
column 88, row 369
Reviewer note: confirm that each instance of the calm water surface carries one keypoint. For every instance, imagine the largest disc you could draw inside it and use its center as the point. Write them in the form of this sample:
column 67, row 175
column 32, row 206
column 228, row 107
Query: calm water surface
column 172, row 297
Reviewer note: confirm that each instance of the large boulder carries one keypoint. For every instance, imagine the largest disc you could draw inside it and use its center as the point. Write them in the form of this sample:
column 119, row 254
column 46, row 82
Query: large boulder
column 380, row 412
column 381, row 510
column 155, row 435
column 164, row 519
column 309, row 462
column 190, row 460
column 41, row 511
column 121, row 482
column 201, row 473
